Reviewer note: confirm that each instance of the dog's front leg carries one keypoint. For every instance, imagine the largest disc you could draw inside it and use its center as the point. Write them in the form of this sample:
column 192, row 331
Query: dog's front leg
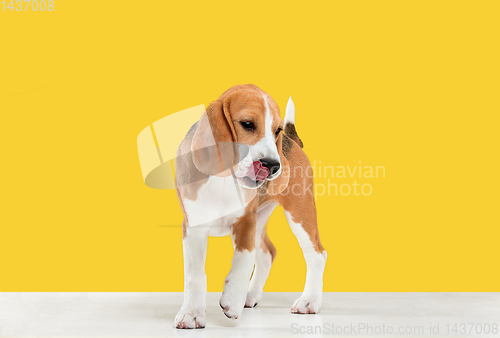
column 236, row 283
column 194, row 246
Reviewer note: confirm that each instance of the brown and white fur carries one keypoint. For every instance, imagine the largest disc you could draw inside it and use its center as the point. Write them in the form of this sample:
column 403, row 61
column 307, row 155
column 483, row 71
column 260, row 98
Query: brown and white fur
column 217, row 200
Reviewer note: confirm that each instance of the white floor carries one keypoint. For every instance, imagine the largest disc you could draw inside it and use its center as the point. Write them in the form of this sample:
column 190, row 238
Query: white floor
column 152, row 314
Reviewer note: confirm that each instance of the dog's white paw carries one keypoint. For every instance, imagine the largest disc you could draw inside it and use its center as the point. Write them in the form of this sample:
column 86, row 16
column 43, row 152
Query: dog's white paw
column 306, row 305
column 190, row 319
column 232, row 299
column 253, row 298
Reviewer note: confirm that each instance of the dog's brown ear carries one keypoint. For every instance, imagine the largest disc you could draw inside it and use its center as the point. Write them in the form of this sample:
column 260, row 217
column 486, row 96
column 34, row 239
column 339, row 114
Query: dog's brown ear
column 214, row 145
column 279, row 184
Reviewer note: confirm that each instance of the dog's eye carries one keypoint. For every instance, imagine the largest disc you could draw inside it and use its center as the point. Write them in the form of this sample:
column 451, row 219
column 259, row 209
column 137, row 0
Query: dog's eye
column 278, row 131
column 247, row 125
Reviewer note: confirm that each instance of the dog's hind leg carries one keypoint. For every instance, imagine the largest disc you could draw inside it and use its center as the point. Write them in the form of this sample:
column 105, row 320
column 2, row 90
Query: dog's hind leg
column 315, row 257
column 264, row 257
column 300, row 211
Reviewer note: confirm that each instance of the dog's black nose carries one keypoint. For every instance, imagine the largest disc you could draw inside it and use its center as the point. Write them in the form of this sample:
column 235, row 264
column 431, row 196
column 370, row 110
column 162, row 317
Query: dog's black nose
column 273, row 166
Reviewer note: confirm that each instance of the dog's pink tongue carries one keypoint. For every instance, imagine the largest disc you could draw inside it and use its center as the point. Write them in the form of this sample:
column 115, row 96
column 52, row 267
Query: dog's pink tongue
column 257, row 172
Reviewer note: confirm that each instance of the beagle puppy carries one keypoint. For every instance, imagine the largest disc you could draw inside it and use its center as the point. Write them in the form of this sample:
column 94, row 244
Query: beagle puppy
column 235, row 165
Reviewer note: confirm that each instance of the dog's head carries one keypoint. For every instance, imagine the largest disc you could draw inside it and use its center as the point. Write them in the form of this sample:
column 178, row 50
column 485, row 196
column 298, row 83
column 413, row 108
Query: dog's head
column 241, row 135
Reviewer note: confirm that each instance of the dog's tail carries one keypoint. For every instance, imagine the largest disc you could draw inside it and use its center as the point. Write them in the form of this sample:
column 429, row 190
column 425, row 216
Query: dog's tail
column 290, row 123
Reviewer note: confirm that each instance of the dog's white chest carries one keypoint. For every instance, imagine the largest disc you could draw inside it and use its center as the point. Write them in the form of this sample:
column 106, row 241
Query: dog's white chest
column 218, row 205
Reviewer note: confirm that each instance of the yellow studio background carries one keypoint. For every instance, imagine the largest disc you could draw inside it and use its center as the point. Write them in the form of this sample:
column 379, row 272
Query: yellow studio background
column 410, row 86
